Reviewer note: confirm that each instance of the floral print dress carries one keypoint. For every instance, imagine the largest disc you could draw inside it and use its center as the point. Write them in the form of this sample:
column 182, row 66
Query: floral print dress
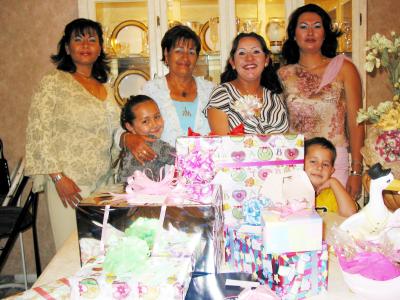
column 313, row 111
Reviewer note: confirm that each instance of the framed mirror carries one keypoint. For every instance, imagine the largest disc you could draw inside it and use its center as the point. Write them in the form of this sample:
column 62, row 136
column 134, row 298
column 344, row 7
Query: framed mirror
column 130, row 38
column 129, row 83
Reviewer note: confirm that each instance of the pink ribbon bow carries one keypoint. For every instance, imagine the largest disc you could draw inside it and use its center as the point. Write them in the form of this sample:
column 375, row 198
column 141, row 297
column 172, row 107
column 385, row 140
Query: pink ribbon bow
column 139, row 182
column 298, row 207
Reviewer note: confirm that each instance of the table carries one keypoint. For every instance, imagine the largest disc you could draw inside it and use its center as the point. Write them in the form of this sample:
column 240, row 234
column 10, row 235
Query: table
column 66, row 263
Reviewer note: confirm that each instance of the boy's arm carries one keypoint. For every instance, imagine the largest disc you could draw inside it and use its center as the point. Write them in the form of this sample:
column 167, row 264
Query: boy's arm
column 347, row 206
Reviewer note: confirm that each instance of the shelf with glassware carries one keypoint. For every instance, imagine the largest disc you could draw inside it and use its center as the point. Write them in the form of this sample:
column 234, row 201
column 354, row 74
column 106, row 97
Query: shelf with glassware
column 130, row 49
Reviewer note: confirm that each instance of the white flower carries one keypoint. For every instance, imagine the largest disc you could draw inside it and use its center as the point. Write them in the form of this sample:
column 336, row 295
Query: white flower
column 384, row 107
column 383, row 53
column 248, row 106
column 377, row 63
column 369, row 66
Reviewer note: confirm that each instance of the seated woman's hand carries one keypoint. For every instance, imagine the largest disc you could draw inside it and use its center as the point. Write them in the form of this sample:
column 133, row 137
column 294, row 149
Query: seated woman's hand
column 68, row 192
column 138, row 147
column 353, row 186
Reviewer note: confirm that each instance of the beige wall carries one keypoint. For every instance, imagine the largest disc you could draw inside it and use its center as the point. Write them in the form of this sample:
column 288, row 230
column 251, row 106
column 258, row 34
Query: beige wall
column 30, row 32
column 383, row 17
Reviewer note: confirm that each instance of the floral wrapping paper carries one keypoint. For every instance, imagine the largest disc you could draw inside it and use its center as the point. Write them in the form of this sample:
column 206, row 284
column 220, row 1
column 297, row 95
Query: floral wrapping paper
column 241, row 164
column 164, row 278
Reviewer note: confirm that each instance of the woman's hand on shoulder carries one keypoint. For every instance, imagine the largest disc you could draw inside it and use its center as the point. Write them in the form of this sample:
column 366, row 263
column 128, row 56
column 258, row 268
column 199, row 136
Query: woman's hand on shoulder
column 353, row 186
column 138, row 147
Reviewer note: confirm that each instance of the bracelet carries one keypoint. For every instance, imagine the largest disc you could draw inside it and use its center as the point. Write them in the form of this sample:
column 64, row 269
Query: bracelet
column 357, row 162
column 57, row 178
column 355, row 173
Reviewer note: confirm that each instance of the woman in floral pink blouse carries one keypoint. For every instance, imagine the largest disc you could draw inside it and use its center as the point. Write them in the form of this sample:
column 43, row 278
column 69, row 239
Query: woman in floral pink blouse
column 323, row 91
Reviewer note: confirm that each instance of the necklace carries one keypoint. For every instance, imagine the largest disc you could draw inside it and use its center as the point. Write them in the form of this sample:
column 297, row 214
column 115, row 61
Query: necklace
column 256, row 94
column 182, row 90
column 310, row 68
column 83, row 75
column 90, row 84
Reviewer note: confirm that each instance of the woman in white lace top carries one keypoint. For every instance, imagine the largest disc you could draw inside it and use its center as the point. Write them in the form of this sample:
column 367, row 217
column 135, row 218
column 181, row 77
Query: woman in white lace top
column 179, row 95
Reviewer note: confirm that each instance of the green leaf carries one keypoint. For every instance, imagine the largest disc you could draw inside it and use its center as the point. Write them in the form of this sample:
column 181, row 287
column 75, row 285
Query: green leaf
column 385, row 58
column 396, row 73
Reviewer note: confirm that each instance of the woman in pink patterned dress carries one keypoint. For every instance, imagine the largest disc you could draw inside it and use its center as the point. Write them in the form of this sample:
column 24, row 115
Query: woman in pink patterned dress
column 323, row 91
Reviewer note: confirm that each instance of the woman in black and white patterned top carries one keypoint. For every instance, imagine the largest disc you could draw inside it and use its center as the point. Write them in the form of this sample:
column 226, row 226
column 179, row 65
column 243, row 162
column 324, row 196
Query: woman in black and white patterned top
column 249, row 93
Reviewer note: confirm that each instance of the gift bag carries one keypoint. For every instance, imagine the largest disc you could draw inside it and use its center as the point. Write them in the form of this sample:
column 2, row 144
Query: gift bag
column 240, row 164
column 289, row 189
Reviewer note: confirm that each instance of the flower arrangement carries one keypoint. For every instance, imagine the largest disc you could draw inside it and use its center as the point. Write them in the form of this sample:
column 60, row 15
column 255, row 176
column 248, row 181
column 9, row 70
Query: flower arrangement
column 383, row 138
column 248, row 106
column 384, row 53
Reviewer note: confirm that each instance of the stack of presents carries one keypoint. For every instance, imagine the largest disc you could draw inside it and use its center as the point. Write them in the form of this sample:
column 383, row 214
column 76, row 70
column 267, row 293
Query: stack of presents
column 246, row 206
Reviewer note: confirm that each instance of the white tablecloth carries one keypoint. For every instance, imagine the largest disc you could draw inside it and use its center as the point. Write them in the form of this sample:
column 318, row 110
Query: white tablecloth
column 66, row 263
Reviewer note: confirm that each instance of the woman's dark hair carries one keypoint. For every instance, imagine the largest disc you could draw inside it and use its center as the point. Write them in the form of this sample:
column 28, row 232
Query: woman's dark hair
column 269, row 78
column 324, row 143
column 64, row 61
column 177, row 34
column 290, row 49
column 127, row 114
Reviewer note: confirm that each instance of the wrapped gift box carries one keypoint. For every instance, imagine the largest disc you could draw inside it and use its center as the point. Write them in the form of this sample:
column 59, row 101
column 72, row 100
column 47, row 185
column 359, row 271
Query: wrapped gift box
column 299, row 231
column 243, row 249
column 241, row 164
column 187, row 217
column 161, row 278
column 297, row 275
